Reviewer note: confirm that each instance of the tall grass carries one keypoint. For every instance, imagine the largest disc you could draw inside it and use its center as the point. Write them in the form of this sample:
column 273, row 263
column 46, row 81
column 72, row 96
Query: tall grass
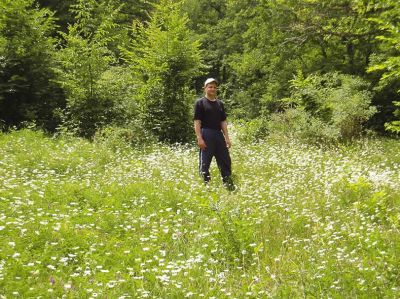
column 81, row 220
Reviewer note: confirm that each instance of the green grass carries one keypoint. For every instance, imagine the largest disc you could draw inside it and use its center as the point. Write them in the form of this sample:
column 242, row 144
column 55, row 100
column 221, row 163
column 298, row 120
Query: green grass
column 80, row 220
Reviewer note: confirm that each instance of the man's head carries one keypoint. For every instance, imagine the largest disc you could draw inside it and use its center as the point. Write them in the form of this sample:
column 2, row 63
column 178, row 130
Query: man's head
column 210, row 88
column 210, row 80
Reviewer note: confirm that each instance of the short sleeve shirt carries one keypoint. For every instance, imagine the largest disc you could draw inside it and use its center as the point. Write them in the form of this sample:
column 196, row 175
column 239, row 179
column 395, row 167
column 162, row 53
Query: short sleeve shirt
column 210, row 113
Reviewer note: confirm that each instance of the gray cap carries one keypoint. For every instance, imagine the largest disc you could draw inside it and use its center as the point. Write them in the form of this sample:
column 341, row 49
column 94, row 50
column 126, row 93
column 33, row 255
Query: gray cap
column 210, row 80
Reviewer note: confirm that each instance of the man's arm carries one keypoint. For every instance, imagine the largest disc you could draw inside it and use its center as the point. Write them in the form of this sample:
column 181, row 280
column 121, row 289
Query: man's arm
column 197, row 130
column 224, row 126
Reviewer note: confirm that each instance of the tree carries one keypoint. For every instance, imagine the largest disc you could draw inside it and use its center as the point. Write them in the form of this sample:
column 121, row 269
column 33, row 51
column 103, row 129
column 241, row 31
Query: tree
column 85, row 61
column 135, row 10
column 27, row 92
column 164, row 59
column 207, row 19
column 62, row 12
column 387, row 63
column 266, row 42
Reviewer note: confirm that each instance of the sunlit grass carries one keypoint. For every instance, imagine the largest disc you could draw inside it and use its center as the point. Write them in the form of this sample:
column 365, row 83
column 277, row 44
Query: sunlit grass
column 81, row 220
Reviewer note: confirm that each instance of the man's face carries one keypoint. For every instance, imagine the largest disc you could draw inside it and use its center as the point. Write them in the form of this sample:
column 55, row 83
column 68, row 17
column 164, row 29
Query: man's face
column 211, row 89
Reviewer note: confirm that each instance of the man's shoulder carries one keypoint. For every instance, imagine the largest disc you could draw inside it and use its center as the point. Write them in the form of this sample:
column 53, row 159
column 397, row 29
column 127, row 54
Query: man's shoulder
column 200, row 99
column 203, row 101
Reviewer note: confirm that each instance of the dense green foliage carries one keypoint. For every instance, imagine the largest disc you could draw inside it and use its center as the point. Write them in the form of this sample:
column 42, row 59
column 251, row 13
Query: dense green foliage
column 316, row 108
column 388, row 60
column 83, row 66
column 27, row 93
column 164, row 59
column 84, row 61
column 84, row 220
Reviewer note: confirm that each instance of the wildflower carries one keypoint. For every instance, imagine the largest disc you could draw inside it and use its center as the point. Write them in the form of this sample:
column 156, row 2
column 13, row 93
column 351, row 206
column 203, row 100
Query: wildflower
column 111, row 284
column 51, row 267
column 52, row 281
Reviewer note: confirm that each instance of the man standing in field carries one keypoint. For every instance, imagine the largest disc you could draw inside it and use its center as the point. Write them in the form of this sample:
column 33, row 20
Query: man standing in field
column 212, row 135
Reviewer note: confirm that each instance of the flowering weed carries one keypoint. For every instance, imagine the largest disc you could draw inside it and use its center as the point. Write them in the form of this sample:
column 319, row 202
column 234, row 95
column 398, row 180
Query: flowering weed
column 80, row 220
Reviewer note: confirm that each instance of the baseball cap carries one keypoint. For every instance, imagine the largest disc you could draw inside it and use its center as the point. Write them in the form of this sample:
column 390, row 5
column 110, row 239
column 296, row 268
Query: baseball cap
column 210, row 80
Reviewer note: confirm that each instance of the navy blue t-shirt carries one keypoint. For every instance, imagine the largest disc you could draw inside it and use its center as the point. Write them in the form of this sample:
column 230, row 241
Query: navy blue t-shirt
column 211, row 113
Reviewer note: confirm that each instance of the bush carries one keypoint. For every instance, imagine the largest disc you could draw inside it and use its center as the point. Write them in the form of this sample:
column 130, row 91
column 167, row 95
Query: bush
column 332, row 106
column 116, row 137
column 299, row 123
column 251, row 131
column 350, row 104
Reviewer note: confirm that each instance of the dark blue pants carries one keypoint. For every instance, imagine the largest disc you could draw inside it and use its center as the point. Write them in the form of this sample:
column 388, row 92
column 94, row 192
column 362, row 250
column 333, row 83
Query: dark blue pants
column 216, row 147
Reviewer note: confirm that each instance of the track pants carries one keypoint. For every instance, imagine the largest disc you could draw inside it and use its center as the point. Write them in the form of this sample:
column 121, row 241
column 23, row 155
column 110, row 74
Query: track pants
column 216, row 147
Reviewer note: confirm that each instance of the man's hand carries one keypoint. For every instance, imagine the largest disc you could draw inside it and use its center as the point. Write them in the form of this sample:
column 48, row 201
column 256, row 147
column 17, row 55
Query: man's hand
column 201, row 143
column 197, row 129
column 228, row 142
column 224, row 127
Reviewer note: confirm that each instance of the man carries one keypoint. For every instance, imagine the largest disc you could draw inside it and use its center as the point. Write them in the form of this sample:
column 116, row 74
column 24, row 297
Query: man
column 212, row 135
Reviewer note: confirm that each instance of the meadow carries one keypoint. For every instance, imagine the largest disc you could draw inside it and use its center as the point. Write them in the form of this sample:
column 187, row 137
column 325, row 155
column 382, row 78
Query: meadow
column 91, row 220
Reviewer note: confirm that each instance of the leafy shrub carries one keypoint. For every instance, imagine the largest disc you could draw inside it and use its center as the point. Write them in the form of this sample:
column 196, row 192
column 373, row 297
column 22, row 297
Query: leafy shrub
column 116, row 137
column 332, row 106
column 300, row 123
column 252, row 130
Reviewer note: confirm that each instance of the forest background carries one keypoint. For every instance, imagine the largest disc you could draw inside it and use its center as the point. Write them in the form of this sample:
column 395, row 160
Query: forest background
column 320, row 70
